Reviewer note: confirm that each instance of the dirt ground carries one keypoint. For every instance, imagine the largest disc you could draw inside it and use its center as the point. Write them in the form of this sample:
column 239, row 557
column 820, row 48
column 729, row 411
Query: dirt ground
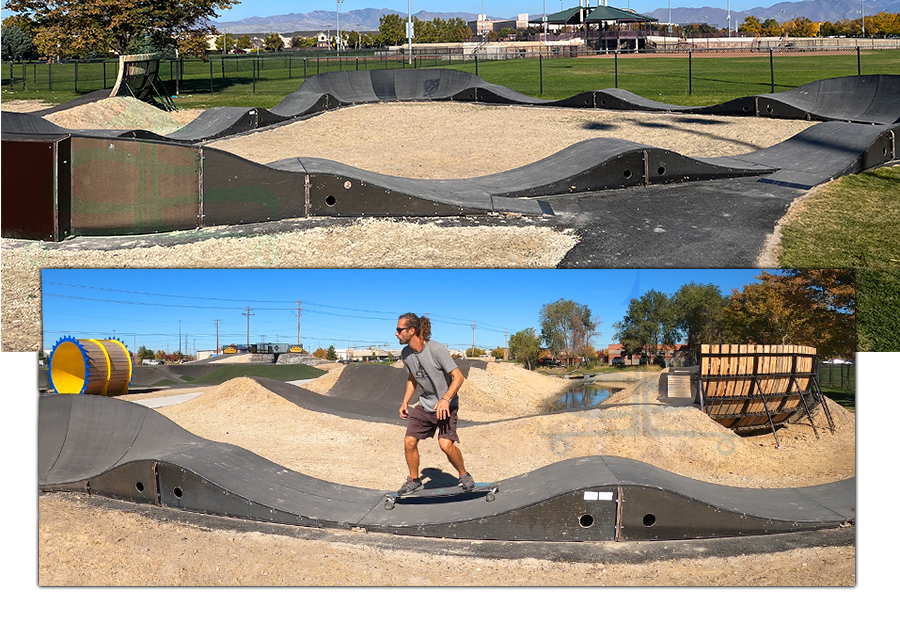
column 84, row 542
column 418, row 140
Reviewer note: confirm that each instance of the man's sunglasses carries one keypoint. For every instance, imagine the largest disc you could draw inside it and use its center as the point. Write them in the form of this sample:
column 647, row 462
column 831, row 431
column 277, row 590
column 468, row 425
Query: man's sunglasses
column 403, row 328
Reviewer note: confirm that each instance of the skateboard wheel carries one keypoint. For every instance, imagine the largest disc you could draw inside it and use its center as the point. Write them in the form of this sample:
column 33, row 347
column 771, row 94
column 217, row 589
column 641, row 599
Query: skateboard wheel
column 388, row 504
column 490, row 497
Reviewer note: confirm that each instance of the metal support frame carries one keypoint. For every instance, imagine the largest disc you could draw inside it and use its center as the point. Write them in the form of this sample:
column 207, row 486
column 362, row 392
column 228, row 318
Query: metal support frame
column 825, row 408
column 805, row 406
column 768, row 413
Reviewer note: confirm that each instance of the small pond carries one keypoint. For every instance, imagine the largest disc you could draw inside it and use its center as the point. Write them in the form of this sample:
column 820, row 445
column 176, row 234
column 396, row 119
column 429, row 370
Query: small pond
column 583, row 395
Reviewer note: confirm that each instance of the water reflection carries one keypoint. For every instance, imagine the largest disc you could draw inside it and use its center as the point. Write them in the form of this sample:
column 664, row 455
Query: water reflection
column 585, row 395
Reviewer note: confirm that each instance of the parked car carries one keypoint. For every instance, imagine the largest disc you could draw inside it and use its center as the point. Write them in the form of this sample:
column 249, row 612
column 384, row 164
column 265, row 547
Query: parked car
column 617, row 361
column 549, row 361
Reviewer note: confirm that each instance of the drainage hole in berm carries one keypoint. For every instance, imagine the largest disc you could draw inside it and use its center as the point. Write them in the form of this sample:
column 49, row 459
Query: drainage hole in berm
column 649, row 520
column 627, row 174
column 139, row 486
column 178, row 493
column 661, row 170
column 330, row 201
column 586, row 521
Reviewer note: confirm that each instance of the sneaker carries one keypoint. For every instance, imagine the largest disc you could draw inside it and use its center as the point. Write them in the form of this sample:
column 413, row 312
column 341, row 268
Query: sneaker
column 410, row 486
column 466, row 482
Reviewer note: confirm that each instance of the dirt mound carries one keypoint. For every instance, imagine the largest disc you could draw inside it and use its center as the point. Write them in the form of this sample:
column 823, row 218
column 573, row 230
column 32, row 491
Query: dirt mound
column 323, row 384
column 507, row 390
column 122, row 113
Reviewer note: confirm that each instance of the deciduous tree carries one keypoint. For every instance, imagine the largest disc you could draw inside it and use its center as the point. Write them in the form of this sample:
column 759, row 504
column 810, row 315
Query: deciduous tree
column 567, row 326
column 273, row 42
column 391, row 30
column 72, row 29
column 697, row 312
column 809, row 307
column 525, row 346
column 648, row 325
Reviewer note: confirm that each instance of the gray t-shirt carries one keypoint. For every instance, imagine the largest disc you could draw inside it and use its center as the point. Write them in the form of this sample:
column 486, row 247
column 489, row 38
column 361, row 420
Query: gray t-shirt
column 431, row 369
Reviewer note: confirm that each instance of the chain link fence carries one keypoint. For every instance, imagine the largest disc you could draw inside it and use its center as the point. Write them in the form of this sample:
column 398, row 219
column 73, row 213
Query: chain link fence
column 688, row 77
column 837, row 375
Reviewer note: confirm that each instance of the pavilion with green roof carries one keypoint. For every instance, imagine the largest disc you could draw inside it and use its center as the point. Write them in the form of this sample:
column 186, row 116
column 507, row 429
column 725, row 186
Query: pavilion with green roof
column 607, row 21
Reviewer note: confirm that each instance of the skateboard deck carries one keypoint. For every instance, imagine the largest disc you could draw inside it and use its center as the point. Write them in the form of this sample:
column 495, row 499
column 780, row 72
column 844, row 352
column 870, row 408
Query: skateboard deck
column 488, row 489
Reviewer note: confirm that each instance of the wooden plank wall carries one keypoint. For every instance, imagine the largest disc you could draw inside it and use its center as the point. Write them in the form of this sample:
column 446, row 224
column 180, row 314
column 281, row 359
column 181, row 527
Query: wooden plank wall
column 746, row 369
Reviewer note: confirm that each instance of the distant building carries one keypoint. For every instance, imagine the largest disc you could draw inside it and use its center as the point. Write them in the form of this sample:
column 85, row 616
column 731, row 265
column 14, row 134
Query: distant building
column 482, row 25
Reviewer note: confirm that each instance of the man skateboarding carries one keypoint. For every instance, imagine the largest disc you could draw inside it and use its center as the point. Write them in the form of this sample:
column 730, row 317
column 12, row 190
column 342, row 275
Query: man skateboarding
column 430, row 366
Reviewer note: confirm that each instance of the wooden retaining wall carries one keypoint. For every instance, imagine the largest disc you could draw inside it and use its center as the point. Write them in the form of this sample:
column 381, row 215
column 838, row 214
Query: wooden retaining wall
column 741, row 381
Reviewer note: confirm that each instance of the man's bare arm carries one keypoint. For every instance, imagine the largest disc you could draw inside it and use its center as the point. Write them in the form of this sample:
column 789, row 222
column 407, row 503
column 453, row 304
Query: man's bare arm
column 442, row 411
column 407, row 395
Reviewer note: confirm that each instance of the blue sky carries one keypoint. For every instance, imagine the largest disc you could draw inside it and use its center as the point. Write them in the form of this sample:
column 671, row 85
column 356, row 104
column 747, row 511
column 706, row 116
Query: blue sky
column 501, row 8
column 343, row 307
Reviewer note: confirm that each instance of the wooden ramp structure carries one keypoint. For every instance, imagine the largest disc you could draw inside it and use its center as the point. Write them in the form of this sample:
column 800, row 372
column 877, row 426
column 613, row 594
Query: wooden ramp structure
column 753, row 386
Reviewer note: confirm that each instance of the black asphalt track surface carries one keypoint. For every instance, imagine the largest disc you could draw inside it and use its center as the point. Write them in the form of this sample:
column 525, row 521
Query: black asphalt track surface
column 366, row 392
column 126, row 451
column 858, row 98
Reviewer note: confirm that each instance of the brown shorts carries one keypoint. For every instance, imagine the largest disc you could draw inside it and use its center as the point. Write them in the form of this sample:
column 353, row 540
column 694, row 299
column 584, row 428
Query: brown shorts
column 422, row 424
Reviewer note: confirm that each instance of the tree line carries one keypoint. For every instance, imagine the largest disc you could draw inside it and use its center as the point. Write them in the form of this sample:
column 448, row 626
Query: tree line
column 880, row 25
column 810, row 307
column 54, row 29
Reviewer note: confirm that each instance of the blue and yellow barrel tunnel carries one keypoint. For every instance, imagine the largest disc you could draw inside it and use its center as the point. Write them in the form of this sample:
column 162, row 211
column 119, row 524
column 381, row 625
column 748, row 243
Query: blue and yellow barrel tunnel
column 90, row 367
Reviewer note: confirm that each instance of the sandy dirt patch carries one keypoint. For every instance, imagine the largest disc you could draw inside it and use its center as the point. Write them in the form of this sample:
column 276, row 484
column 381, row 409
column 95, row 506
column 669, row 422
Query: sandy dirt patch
column 122, row 113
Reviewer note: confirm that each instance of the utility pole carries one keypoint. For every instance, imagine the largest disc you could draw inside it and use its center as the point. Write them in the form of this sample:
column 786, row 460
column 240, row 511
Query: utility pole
column 473, row 338
column 248, row 314
column 217, row 335
column 299, row 312
column 506, row 338
column 179, row 336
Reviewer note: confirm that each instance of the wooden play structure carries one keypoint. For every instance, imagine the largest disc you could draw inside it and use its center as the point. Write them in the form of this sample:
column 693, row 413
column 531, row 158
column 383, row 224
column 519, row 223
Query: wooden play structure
column 753, row 386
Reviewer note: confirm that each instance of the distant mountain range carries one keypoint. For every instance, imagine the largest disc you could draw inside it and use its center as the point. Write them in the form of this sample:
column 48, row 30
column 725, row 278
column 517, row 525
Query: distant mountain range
column 368, row 19
column 365, row 19
column 815, row 10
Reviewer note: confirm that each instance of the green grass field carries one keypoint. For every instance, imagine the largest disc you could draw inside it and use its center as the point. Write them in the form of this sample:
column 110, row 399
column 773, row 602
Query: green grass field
column 282, row 372
column 842, row 397
column 702, row 80
column 854, row 223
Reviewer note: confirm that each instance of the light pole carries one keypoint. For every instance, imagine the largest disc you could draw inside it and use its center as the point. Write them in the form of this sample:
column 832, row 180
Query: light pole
column 338, row 4
column 544, row 20
column 862, row 10
column 409, row 29
column 728, row 11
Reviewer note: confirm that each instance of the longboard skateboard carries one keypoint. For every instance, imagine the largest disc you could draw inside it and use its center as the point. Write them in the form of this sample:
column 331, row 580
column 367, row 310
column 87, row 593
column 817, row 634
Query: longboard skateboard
column 490, row 490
